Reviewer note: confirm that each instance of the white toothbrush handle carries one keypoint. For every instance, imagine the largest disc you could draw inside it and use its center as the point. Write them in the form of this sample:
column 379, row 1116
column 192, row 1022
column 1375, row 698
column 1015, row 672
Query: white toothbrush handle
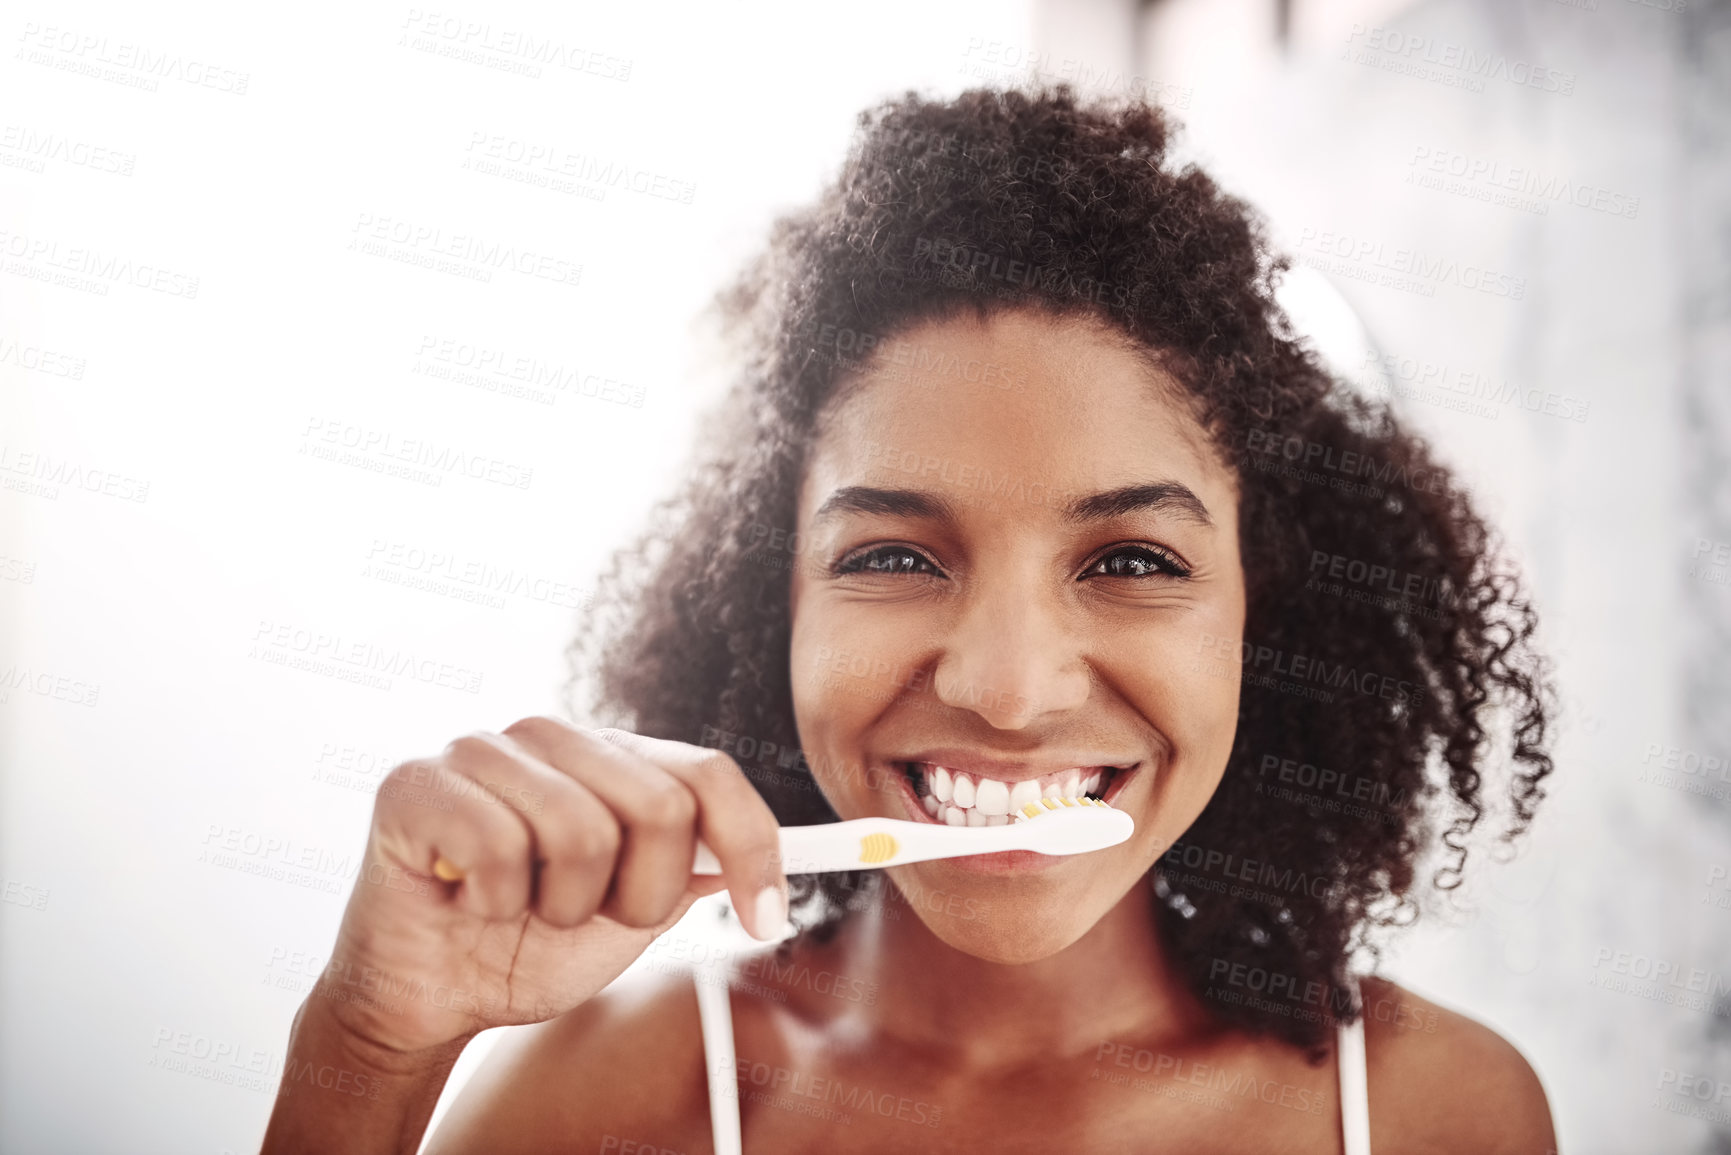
column 849, row 845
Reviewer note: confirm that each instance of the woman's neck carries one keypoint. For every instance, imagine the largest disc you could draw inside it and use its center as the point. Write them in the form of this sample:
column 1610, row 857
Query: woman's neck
column 1117, row 981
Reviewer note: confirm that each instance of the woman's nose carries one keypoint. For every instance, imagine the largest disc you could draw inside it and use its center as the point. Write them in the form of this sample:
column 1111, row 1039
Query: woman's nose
column 1012, row 656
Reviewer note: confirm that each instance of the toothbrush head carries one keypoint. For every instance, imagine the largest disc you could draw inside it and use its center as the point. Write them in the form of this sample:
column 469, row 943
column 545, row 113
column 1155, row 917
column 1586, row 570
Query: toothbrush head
column 1072, row 825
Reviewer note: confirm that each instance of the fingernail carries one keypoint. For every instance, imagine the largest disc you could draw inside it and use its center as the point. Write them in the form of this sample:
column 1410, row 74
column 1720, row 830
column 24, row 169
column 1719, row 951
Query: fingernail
column 769, row 914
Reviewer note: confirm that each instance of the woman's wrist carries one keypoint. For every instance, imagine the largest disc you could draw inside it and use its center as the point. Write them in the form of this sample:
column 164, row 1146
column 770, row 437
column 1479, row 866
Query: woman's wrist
column 345, row 1093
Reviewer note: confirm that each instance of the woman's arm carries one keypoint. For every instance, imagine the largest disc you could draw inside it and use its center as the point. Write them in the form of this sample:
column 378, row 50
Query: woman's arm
column 505, row 882
column 317, row 1111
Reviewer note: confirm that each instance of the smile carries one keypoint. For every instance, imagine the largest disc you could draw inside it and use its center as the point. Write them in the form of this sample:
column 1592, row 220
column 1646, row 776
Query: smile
column 959, row 798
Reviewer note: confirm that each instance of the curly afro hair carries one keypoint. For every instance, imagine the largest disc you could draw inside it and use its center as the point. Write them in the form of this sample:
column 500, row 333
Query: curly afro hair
column 1387, row 651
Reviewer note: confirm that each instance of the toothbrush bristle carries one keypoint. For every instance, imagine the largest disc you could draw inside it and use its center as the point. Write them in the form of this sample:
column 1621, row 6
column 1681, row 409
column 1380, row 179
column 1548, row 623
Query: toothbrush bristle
column 1034, row 809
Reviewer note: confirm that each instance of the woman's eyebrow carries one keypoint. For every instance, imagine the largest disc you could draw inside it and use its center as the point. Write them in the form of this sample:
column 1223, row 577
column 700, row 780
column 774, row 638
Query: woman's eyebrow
column 894, row 502
column 1158, row 496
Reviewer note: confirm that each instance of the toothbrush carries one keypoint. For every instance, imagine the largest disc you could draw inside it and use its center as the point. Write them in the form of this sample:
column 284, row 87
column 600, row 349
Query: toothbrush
column 1049, row 826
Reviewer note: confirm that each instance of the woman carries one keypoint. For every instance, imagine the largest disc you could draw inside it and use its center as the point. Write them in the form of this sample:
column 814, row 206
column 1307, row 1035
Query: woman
column 1026, row 478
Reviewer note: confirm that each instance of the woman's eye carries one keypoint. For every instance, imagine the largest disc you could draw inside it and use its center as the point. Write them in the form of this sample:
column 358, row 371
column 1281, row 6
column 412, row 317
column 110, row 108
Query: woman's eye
column 886, row 560
column 1138, row 562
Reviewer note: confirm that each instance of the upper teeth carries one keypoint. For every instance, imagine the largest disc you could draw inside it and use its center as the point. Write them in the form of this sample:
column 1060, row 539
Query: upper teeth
column 961, row 799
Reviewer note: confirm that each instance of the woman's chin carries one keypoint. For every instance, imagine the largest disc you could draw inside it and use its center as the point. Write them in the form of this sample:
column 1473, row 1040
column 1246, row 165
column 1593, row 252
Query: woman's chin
column 1009, row 944
column 1012, row 937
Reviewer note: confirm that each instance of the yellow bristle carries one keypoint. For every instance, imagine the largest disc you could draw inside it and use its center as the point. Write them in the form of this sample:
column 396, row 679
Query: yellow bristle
column 1049, row 803
column 875, row 848
column 1031, row 809
column 1069, row 802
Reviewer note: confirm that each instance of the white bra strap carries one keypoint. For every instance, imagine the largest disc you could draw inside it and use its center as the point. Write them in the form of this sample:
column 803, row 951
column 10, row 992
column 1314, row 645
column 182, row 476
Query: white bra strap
column 715, row 1017
column 1354, row 1085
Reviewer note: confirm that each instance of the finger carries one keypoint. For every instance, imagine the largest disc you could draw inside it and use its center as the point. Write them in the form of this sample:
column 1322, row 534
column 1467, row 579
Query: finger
column 733, row 820
column 656, row 813
column 575, row 839
column 424, row 811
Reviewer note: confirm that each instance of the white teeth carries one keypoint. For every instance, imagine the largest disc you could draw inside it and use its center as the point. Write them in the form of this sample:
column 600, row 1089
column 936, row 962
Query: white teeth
column 992, row 798
column 960, row 799
column 963, row 794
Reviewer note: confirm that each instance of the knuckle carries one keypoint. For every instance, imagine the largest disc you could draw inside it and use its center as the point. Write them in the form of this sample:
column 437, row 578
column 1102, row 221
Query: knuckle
column 721, row 769
column 469, row 750
column 584, row 848
column 536, row 725
column 404, row 783
column 667, row 807
column 595, row 843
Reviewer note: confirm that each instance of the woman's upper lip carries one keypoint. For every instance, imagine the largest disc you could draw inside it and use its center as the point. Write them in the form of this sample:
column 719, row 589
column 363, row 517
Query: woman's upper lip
column 1015, row 770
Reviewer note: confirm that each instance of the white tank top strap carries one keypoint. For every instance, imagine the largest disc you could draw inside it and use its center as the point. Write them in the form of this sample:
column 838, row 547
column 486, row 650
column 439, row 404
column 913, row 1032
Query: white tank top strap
column 715, row 1018
column 1354, row 1083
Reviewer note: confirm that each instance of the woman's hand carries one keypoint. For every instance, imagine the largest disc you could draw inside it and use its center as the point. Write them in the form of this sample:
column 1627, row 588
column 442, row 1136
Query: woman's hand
column 574, row 849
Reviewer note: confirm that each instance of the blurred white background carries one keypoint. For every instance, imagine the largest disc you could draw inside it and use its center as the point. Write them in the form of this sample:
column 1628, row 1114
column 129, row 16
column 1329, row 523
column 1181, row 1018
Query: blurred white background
column 221, row 315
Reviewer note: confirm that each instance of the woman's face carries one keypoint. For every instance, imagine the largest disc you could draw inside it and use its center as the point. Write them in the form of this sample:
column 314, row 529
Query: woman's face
column 1018, row 561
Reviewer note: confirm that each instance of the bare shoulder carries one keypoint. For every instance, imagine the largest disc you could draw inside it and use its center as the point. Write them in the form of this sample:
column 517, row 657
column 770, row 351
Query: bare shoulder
column 626, row 1066
column 1440, row 1081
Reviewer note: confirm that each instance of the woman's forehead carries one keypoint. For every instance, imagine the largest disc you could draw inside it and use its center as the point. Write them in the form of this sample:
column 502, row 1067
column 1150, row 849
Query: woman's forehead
column 1025, row 398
